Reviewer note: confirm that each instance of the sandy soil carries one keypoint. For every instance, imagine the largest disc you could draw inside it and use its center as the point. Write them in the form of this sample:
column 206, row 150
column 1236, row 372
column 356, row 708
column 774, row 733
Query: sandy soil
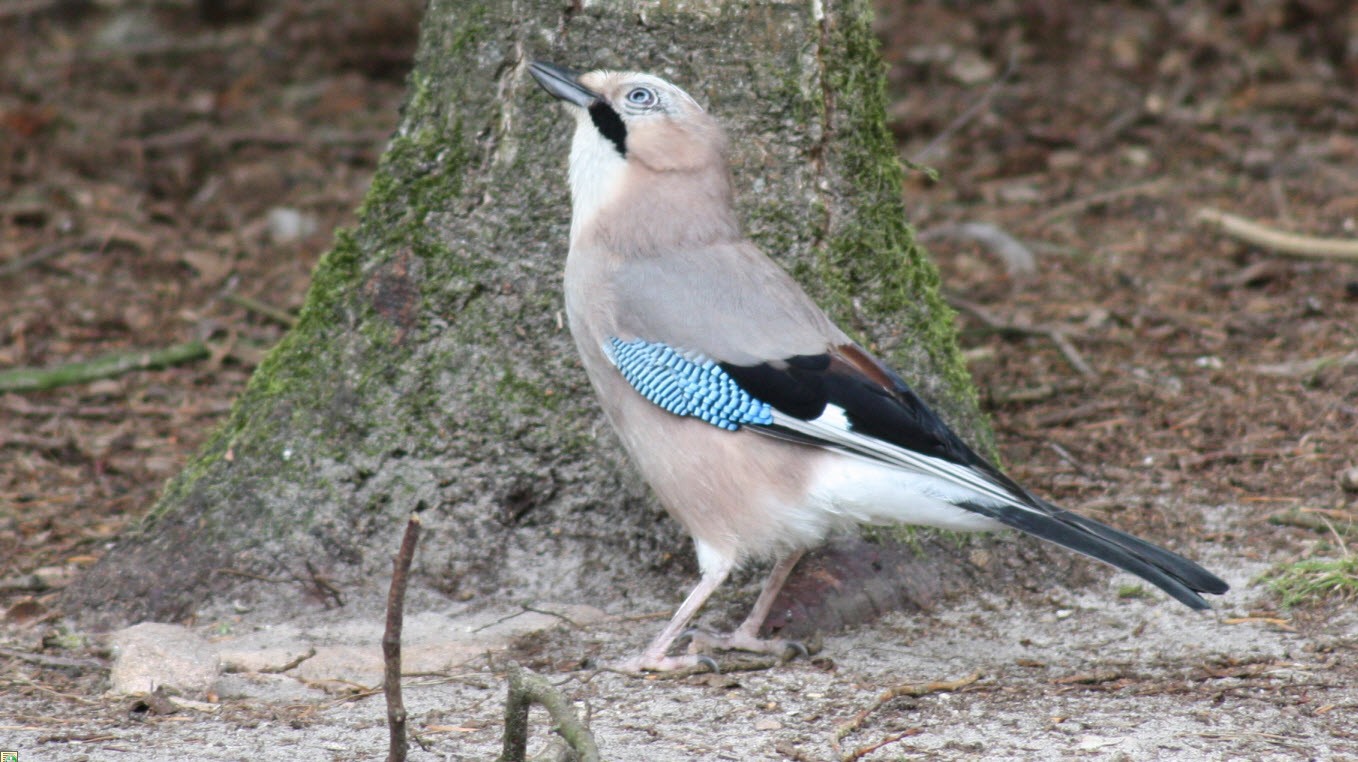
column 1081, row 674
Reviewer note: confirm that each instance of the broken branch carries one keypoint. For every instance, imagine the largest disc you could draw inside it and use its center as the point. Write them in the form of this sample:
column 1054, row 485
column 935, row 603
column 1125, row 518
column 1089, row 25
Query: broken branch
column 1059, row 338
column 1018, row 259
column 908, row 689
column 1290, row 244
column 108, row 366
column 267, row 310
column 526, row 689
column 391, row 642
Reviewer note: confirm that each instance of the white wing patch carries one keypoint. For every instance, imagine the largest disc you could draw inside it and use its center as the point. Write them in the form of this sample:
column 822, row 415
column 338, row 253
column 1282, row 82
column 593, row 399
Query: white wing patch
column 832, row 428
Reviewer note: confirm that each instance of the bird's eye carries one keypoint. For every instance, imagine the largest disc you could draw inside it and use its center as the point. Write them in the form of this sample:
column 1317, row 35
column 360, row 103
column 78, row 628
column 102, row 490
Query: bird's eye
column 642, row 96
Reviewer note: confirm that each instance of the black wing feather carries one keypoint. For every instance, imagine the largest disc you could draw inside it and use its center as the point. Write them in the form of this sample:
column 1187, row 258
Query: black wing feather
column 802, row 387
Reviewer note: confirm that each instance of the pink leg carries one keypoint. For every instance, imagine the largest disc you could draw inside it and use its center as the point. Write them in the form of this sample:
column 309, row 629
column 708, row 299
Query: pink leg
column 746, row 636
column 655, row 658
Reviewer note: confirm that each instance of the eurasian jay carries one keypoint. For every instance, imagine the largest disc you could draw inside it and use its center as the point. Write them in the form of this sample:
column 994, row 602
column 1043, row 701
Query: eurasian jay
column 761, row 426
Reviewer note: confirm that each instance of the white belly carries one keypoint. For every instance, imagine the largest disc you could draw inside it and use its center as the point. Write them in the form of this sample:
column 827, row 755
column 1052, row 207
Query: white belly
column 862, row 491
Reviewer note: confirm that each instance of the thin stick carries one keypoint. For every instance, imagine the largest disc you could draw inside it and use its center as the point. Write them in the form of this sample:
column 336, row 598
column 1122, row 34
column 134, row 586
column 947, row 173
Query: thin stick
column 1059, row 338
column 863, row 751
column 267, row 310
column 391, row 641
column 1080, row 204
column 98, row 243
column 108, row 366
column 38, row 255
column 1300, row 368
column 971, row 111
column 1290, row 244
column 59, row 662
column 908, row 689
column 1018, row 259
column 526, row 689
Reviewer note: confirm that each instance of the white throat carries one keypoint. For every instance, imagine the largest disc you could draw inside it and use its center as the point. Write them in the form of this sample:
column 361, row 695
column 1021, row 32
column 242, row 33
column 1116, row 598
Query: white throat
column 596, row 171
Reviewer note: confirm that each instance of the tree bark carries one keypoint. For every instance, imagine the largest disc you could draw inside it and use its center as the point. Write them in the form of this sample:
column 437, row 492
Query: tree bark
column 430, row 363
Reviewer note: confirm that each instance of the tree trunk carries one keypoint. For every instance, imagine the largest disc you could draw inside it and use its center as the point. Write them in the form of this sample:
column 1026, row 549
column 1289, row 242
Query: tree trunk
column 431, row 368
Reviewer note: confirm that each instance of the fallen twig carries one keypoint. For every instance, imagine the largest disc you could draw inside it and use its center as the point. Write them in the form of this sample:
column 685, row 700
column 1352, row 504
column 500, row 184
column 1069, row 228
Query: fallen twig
column 1278, row 622
column 526, row 689
column 1317, row 519
column 1068, row 351
column 1018, row 259
column 863, row 751
column 906, row 689
column 98, row 243
column 108, row 366
column 25, row 407
column 1303, row 368
column 1080, row 204
column 57, row 662
column 1010, row 67
column 37, row 255
column 1056, row 336
column 1290, row 244
column 391, row 641
column 267, row 310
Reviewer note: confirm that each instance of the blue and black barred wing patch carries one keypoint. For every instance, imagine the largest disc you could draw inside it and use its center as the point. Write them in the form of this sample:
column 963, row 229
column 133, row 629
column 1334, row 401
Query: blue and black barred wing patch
column 686, row 384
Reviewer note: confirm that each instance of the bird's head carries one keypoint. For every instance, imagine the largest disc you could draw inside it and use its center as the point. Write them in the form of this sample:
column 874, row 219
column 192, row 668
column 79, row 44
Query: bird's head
column 632, row 126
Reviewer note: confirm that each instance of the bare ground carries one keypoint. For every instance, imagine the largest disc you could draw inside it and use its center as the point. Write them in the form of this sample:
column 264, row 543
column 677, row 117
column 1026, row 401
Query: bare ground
column 156, row 163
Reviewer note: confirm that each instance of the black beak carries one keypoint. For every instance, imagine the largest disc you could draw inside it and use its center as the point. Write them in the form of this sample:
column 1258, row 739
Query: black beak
column 562, row 83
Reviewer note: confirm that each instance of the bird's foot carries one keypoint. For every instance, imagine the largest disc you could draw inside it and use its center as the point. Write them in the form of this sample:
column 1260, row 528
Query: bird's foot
column 686, row 664
column 700, row 641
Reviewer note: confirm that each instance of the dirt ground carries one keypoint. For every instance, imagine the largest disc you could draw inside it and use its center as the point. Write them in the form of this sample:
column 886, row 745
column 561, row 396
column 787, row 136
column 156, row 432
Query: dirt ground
column 166, row 167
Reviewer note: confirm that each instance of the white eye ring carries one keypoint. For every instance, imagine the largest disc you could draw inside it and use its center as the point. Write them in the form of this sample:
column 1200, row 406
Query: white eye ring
column 644, row 97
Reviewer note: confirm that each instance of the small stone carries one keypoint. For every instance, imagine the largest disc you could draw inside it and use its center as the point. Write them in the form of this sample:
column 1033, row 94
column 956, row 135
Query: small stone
column 150, row 656
column 288, row 224
column 1092, row 742
column 767, row 724
column 1348, row 479
column 54, row 576
column 971, row 68
column 1137, row 156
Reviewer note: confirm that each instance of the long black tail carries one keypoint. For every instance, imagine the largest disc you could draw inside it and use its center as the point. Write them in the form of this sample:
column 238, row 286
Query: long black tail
column 1168, row 571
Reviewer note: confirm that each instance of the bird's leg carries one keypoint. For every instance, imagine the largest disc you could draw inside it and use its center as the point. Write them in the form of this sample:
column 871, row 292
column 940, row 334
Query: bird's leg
column 655, row 658
column 746, row 636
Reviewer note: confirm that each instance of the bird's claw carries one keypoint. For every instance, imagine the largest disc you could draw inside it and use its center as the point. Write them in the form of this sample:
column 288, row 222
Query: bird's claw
column 797, row 648
column 683, row 638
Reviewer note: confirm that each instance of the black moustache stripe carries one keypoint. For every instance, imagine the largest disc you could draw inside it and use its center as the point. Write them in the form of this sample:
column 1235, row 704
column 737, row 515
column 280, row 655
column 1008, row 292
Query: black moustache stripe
column 610, row 125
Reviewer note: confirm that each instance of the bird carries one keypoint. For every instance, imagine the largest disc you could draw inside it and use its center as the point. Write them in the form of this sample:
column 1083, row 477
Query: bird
column 760, row 425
